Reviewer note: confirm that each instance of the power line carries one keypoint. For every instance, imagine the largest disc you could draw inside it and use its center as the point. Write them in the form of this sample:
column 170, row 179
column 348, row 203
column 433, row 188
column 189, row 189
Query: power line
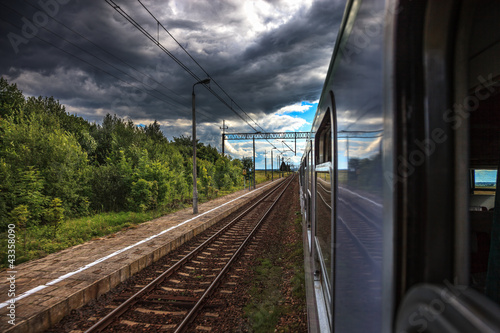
column 104, row 50
column 94, row 66
column 197, row 63
column 104, row 61
column 179, row 62
column 201, row 67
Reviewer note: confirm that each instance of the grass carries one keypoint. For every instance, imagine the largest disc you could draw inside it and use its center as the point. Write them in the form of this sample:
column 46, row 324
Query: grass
column 262, row 176
column 38, row 241
column 297, row 258
column 266, row 308
column 267, row 303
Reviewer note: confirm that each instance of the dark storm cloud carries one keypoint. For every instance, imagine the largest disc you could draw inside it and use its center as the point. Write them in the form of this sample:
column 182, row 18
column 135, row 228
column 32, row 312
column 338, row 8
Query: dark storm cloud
column 313, row 28
column 261, row 68
column 283, row 62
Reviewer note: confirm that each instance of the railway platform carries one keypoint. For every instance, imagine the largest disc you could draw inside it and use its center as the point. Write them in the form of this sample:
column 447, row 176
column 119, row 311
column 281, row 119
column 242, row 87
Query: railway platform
column 49, row 288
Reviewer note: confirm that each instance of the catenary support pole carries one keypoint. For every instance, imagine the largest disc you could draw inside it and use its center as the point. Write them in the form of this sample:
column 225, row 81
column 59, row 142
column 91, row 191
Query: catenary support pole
column 272, row 170
column 254, row 163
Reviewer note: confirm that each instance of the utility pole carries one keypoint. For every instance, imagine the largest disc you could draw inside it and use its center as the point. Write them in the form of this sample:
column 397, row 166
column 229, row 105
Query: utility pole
column 282, row 164
column 195, row 190
column 254, row 163
column 265, row 163
column 278, row 165
column 272, row 170
column 223, row 128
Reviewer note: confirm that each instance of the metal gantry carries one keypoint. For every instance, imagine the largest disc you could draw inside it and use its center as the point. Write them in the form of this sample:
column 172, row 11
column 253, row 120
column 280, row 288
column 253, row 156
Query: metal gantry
column 266, row 136
column 269, row 135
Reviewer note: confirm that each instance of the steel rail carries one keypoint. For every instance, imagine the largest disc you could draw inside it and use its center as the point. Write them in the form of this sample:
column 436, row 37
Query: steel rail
column 360, row 244
column 199, row 305
column 125, row 306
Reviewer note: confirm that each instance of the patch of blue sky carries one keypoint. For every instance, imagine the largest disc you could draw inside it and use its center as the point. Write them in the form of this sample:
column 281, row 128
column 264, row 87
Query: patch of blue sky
column 304, row 110
column 485, row 177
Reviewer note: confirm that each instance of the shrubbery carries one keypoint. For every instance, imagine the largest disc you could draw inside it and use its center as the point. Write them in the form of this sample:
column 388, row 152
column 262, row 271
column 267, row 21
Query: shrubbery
column 54, row 165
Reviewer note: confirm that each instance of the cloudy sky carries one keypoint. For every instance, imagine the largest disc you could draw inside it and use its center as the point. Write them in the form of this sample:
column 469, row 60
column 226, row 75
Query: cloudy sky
column 267, row 60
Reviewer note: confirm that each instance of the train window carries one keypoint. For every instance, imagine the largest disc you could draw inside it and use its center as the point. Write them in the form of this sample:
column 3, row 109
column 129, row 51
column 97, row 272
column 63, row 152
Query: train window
column 484, row 131
column 311, row 173
column 324, row 141
column 324, row 217
column 483, row 181
column 459, row 228
column 483, row 243
column 323, row 228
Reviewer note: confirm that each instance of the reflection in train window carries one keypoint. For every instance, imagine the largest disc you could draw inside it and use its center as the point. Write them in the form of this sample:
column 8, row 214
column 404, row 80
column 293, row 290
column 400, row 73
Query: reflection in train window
column 324, row 141
column 324, row 217
column 310, row 176
column 323, row 213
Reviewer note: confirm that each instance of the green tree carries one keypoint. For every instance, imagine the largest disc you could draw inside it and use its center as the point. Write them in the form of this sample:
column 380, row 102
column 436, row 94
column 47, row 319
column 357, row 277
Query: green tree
column 55, row 165
column 153, row 131
column 222, row 176
column 208, row 153
column 206, row 178
column 33, row 140
column 27, row 192
column 19, row 216
column 142, row 195
column 185, row 146
column 247, row 166
column 11, row 99
column 237, row 172
column 110, row 184
column 54, row 214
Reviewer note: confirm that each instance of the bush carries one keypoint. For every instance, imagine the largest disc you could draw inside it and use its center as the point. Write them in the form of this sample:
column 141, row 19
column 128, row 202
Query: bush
column 109, row 188
column 141, row 196
column 40, row 163
column 54, row 214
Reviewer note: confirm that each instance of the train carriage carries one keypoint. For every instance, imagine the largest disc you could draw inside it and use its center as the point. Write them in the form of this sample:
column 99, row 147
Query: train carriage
column 399, row 234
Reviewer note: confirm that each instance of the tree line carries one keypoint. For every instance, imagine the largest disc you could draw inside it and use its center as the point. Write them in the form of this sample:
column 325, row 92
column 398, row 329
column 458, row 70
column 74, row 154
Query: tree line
column 55, row 165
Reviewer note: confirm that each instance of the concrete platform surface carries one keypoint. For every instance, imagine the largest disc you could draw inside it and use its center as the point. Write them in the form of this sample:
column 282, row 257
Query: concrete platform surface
column 47, row 289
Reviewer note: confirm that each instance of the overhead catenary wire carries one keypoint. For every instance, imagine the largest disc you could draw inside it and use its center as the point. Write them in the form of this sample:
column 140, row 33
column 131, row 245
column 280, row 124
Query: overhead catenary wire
column 106, row 62
column 172, row 56
column 96, row 67
column 159, row 24
column 104, row 50
column 86, row 61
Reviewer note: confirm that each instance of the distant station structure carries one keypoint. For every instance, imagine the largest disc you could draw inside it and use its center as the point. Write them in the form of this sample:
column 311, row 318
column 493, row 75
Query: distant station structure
column 266, row 136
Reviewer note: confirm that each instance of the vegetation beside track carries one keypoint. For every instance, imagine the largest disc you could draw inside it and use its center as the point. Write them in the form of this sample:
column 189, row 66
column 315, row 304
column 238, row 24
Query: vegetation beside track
column 277, row 294
column 64, row 180
column 40, row 240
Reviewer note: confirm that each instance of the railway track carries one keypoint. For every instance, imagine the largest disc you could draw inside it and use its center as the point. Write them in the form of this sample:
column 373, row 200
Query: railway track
column 179, row 294
column 358, row 219
column 357, row 215
column 362, row 232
